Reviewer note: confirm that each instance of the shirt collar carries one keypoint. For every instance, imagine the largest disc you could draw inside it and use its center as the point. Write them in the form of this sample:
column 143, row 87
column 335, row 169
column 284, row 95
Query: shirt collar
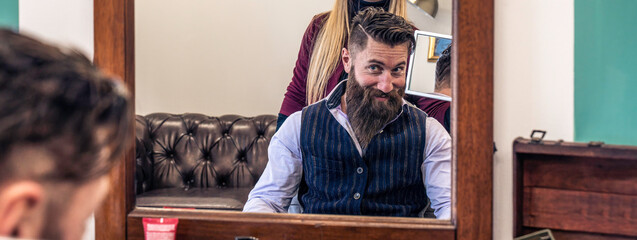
column 334, row 98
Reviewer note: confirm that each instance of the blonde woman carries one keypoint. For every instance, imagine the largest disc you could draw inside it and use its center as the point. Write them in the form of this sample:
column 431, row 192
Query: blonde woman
column 318, row 67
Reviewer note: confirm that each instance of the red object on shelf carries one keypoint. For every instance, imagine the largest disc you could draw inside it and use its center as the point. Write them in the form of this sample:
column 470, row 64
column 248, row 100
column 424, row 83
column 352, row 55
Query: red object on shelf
column 160, row 228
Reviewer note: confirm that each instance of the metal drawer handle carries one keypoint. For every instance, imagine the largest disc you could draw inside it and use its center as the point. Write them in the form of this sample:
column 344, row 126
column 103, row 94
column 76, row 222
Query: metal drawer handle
column 535, row 139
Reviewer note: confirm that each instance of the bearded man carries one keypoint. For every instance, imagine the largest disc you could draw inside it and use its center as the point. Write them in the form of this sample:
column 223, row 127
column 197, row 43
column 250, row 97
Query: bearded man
column 362, row 150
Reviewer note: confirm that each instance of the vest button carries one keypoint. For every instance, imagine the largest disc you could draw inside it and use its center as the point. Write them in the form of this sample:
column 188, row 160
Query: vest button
column 359, row 170
column 357, row 196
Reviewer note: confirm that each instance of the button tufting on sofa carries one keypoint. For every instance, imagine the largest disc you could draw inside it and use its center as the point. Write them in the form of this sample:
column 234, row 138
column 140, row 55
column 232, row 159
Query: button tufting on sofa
column 193, row 160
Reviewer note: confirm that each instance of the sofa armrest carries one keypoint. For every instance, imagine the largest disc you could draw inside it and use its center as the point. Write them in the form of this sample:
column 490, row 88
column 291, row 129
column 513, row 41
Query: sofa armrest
column 143, row 163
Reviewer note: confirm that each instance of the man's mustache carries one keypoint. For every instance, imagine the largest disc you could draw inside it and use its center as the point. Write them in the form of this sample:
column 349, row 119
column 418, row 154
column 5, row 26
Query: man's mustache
column 378, row 93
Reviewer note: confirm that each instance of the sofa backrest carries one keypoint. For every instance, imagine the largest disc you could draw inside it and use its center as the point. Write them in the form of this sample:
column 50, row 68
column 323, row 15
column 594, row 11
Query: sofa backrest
column 194, row 150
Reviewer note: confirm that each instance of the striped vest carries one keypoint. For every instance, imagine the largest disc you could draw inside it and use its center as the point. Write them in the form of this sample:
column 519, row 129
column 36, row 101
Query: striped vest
column 385, row 181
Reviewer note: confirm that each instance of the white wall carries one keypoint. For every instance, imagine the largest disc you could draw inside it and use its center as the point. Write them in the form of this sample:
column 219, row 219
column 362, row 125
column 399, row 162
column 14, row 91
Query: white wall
column 64, row 22
column 422, row 75
column 67, row 23
column 533, row 81
column 441, row 24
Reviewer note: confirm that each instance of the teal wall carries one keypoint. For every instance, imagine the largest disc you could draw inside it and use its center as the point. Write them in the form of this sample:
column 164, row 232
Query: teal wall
column 606, row 71
column 9, row 14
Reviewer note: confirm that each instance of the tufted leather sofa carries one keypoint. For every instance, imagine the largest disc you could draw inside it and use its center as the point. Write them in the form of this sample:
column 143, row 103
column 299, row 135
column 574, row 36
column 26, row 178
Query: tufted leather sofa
column 198, row 161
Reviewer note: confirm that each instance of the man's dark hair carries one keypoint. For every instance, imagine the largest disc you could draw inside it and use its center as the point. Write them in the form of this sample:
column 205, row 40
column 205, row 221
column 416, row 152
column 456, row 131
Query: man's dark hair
column 443, row 69
column 58, row 103
column 381, row 26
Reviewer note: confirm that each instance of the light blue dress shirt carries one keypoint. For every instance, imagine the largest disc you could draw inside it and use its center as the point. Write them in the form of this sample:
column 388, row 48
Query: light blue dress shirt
column 280, row 180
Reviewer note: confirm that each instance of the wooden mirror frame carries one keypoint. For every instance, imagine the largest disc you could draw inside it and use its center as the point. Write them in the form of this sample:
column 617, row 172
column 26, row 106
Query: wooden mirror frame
column 472, row 128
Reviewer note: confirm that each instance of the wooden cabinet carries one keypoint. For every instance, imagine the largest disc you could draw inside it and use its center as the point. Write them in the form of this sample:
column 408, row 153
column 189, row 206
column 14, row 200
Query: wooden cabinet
column 578, row 190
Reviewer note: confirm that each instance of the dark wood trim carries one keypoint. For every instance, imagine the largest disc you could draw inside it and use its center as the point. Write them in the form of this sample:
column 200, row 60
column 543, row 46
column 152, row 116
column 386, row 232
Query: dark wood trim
column 573, row 149
column 472, row 80
column 517, row 192
column 472, row 107
column 581, row 211
column 204, row 224
column 114, row 52
column 311, row 219
column 570, row 235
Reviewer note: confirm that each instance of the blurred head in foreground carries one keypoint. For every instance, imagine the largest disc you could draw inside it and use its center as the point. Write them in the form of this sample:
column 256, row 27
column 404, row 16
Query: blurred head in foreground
column 63, row 125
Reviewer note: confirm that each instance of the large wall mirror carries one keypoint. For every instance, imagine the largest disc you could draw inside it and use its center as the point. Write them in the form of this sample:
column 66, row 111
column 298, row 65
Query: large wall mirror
column 204, row 57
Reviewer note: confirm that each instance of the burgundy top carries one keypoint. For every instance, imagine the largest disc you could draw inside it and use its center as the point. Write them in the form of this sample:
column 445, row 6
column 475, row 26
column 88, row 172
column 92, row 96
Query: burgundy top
column 295, row 98
column 435, row 108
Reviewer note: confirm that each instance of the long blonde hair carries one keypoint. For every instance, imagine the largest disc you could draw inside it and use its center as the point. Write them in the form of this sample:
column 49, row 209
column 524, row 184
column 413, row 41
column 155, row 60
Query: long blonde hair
column 326, row 53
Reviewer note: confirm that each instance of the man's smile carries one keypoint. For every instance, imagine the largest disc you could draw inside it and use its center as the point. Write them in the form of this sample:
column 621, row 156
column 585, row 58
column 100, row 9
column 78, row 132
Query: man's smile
column 382, row 98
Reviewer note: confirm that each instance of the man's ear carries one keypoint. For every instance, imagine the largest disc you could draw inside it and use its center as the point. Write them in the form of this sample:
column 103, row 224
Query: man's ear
column 19, row 201
column 347, row 60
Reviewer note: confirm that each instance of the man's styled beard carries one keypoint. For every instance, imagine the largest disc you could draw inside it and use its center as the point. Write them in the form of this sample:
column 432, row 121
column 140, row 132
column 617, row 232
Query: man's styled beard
column 366, row 114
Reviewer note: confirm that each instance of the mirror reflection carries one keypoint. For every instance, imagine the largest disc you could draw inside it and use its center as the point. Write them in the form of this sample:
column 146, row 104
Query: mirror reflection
column 432, row 54
column 361, row 147
column 420, row 80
